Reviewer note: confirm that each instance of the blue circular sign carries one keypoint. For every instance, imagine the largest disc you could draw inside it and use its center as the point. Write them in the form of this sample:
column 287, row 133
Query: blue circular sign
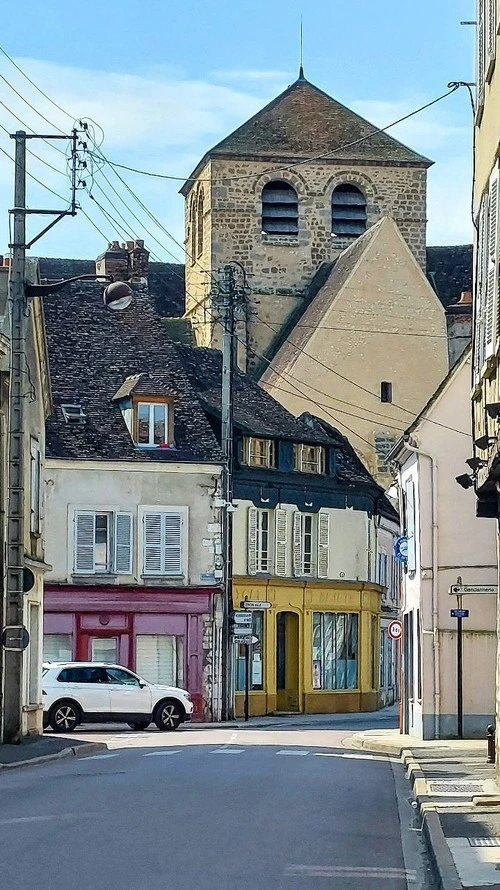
column 401, row 549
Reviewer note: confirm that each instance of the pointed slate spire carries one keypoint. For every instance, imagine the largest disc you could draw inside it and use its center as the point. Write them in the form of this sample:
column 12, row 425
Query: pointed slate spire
column 301, row 73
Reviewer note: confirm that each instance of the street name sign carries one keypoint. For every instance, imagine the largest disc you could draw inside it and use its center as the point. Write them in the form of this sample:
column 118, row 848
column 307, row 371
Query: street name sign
column 459, row 613
column 241, row 630
column 255, row 604
column 463, row 589
column 243, row 618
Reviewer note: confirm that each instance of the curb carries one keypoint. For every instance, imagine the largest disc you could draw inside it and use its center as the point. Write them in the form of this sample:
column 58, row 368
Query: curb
column 78, row 751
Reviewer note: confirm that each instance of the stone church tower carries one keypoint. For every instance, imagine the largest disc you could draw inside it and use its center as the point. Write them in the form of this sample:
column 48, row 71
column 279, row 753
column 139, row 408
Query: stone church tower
column 286, row 192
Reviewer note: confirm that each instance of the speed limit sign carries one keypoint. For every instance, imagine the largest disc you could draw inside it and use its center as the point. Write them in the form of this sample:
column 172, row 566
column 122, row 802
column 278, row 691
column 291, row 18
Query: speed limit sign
column 395, row 629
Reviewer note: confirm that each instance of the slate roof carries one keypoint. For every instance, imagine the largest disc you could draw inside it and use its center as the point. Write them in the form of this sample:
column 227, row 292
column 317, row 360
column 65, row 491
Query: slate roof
column 449, row 270
column 92, row 350
column 304, row 121
column 255, row 411
column 166, row 281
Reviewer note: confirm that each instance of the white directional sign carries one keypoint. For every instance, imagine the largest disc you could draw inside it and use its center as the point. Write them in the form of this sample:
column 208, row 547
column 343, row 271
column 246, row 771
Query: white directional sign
column 463, row 589
column 248, row 640
column 255, row 604
column 243, row 618
column 241, row 630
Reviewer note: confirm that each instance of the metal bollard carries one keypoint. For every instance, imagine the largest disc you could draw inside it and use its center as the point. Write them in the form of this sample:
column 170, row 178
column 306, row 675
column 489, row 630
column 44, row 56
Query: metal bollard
column 491, row 743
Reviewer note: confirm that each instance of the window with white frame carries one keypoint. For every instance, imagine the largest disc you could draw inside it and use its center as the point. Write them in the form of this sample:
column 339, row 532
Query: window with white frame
column 260, row 530
column 309, row 458
column 311, row 544
column 102, row 543
column 152, row 423
column 36, row 487
column 163, row 542
column 259, row 452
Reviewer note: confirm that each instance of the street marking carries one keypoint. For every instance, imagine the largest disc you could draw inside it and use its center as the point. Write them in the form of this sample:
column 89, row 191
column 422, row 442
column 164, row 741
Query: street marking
column 233, row 736
column 228, row 751
column 339, row 871
column 162, row 753
column 293, row 753
column 100, row 756
column 46, row 818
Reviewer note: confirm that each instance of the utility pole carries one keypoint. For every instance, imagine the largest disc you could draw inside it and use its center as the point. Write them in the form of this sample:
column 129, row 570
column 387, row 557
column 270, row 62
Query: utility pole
column 225, row 302
column 14, row 607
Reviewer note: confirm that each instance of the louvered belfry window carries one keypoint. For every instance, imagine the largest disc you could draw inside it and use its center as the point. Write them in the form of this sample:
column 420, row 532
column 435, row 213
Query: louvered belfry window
column 280, row 209
column 348, row 211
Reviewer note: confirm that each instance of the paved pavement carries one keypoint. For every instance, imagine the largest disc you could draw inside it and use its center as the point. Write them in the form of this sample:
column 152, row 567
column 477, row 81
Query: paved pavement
column 266, row 808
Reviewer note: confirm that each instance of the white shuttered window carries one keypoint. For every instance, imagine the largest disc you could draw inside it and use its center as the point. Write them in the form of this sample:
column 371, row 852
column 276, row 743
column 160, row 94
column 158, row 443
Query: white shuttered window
column 163, row 543
column 102, row 543
column 159, row 658
column 491, row 267
column 281, row 542
column 311, row 544
column 480, row 288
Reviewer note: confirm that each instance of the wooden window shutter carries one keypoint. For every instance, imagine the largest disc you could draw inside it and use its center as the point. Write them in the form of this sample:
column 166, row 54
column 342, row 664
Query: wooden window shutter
column 152, row 527
column 84, row 562
column 252, row 540
column 491, row 296
column 281, row 541
column 480, row 288
column 480, row 54
column 297, row 544
column 172, row 543
column 123, row 544
column 323, row 544
column 490, row 34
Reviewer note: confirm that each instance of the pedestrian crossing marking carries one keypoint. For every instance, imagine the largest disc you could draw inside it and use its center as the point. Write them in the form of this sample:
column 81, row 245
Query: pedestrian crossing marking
column 293, row 753
column 229, row 751
column 162, row 753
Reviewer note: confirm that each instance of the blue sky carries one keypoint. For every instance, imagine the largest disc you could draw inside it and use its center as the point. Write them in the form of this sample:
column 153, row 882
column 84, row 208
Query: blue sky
column 166, row 81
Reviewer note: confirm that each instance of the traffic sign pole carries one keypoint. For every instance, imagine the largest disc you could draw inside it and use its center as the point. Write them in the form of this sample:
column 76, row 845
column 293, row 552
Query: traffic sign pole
column 248, row 648
column 460, row 695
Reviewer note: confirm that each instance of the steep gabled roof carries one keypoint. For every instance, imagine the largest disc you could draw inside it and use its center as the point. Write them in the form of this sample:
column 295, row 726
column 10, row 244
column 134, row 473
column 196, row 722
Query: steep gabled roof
column 303, row 121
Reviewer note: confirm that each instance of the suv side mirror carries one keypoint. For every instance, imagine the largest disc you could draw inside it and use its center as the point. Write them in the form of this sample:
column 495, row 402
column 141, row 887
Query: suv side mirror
column 142, row 685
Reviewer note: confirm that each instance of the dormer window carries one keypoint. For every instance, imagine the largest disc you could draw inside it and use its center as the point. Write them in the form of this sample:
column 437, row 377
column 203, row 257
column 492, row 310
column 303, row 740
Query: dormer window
column 259, row 452
column 309, row 458
column 73, row 414
column 152, row 423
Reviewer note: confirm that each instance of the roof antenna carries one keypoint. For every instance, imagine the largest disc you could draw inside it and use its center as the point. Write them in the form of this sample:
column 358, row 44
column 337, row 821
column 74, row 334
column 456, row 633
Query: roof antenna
column 301, row 69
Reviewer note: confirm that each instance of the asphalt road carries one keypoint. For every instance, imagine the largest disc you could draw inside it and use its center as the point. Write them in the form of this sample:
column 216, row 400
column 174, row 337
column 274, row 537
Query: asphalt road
column 266, row 809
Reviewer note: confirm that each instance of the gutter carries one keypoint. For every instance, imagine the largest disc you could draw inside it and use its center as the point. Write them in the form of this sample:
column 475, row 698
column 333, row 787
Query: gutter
column 435, row 632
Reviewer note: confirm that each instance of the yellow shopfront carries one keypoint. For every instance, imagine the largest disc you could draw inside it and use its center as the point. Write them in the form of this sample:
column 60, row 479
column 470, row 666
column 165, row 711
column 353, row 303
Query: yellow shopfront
column 317, row 647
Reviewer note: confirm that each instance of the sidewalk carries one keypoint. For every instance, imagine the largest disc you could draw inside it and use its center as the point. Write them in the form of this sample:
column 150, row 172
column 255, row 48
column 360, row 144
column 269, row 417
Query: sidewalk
column 40, row 749
column 458, row 801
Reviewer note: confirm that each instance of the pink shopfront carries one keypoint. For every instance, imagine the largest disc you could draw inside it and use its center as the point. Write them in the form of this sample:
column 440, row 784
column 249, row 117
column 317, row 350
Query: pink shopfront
column 158, row 632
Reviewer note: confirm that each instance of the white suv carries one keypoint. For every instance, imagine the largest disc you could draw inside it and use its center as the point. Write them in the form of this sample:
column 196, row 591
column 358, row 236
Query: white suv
column 94, row 692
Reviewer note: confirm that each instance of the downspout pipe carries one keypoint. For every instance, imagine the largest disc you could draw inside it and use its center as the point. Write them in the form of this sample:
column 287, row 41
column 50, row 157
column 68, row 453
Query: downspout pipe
column 435, row 631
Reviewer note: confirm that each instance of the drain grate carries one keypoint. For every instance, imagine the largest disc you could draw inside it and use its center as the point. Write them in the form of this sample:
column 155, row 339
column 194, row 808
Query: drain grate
column 484, row 841
column 455, row 788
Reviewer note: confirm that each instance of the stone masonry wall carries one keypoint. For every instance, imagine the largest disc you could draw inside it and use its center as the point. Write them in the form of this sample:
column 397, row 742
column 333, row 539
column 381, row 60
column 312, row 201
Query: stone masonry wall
column 280, row 268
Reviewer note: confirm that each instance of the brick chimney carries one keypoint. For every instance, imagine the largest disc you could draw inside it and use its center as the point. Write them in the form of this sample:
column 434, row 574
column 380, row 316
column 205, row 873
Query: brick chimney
column 114, row 262
column 138, row 261
column 459, row 326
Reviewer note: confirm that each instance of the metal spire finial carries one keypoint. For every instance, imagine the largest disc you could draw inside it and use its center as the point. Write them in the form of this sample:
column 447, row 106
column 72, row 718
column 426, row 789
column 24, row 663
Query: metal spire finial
column 301, row 69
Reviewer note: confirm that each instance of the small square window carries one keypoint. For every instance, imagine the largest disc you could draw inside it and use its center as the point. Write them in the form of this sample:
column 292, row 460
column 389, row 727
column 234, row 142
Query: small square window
column 385, row 391
column 73, row 414
column 259, row 452
column 309, row 458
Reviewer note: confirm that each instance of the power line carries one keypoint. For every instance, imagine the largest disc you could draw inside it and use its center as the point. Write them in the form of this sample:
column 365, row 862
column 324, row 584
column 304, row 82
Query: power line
column 32, row 82
column 34, row 155
column 346, row 330
column 31, row 130
column 39, row 113
column 39, row 181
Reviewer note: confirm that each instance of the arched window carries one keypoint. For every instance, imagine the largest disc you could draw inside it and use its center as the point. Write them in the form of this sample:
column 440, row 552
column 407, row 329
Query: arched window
column 192, row 230
column 348, row 211
column 280, row 209
column 199, row 241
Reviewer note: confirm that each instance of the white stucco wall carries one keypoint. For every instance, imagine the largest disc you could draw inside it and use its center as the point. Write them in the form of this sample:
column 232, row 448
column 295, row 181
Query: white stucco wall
column 466, row 548
column 95, row 485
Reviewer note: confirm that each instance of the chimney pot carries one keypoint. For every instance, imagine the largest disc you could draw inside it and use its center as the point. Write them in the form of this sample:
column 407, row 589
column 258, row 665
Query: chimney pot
column 113, row 262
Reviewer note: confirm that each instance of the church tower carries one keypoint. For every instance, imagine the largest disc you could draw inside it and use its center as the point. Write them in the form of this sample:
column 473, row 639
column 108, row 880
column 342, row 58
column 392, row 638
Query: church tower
column 284, row 195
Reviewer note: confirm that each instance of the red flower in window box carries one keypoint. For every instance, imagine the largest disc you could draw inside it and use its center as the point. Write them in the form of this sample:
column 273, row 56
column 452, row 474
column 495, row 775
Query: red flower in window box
column 164, row 445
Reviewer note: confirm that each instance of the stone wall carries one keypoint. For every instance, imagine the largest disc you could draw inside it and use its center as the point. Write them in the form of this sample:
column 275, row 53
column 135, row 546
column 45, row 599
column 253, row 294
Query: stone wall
column 281, row 267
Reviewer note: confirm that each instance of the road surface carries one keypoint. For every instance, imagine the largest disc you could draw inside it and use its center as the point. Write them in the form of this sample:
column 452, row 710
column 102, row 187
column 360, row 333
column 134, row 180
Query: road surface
column 278, row 808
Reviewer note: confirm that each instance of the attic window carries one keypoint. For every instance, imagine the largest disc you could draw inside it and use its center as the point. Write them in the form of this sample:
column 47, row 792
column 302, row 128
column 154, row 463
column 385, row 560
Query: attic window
column 348, row 211
column 73, row 414
column 280, row 209
column 309, row 458
column 259, row 452
column 152, row 423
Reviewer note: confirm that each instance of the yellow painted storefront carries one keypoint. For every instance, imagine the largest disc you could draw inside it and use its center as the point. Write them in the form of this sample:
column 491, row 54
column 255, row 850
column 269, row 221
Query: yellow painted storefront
column 288, row 625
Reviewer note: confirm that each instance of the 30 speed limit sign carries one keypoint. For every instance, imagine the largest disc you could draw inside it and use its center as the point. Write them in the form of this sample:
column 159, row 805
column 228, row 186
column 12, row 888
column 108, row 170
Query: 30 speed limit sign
column 395, row 630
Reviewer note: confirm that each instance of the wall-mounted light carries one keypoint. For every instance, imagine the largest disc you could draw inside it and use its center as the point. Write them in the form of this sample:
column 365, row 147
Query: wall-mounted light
column 475, row 463
column 465, row 480
column 484, row 441
column 493, row 410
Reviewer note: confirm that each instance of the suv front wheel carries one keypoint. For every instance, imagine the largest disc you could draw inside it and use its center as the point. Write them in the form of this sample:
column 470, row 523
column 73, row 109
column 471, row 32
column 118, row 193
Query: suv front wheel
column 64, row 716
column 168, row 715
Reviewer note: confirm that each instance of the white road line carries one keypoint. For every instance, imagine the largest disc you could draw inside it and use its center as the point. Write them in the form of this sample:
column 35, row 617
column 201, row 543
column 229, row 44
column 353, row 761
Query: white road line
column 101, row 756
column 351, row 756
column 293, row 753
column 162, row 753
column 324, row 871
column 228, row 751
column 48, row 818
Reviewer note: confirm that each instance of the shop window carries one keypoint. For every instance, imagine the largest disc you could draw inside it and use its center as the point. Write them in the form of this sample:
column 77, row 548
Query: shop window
column 259, row 452
column 335, row 650
column 375, row 652
column 104, row 649
column 159, row 658
column 102, row 543
column 57, row 647
column 309, row 458
column 256, row 657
